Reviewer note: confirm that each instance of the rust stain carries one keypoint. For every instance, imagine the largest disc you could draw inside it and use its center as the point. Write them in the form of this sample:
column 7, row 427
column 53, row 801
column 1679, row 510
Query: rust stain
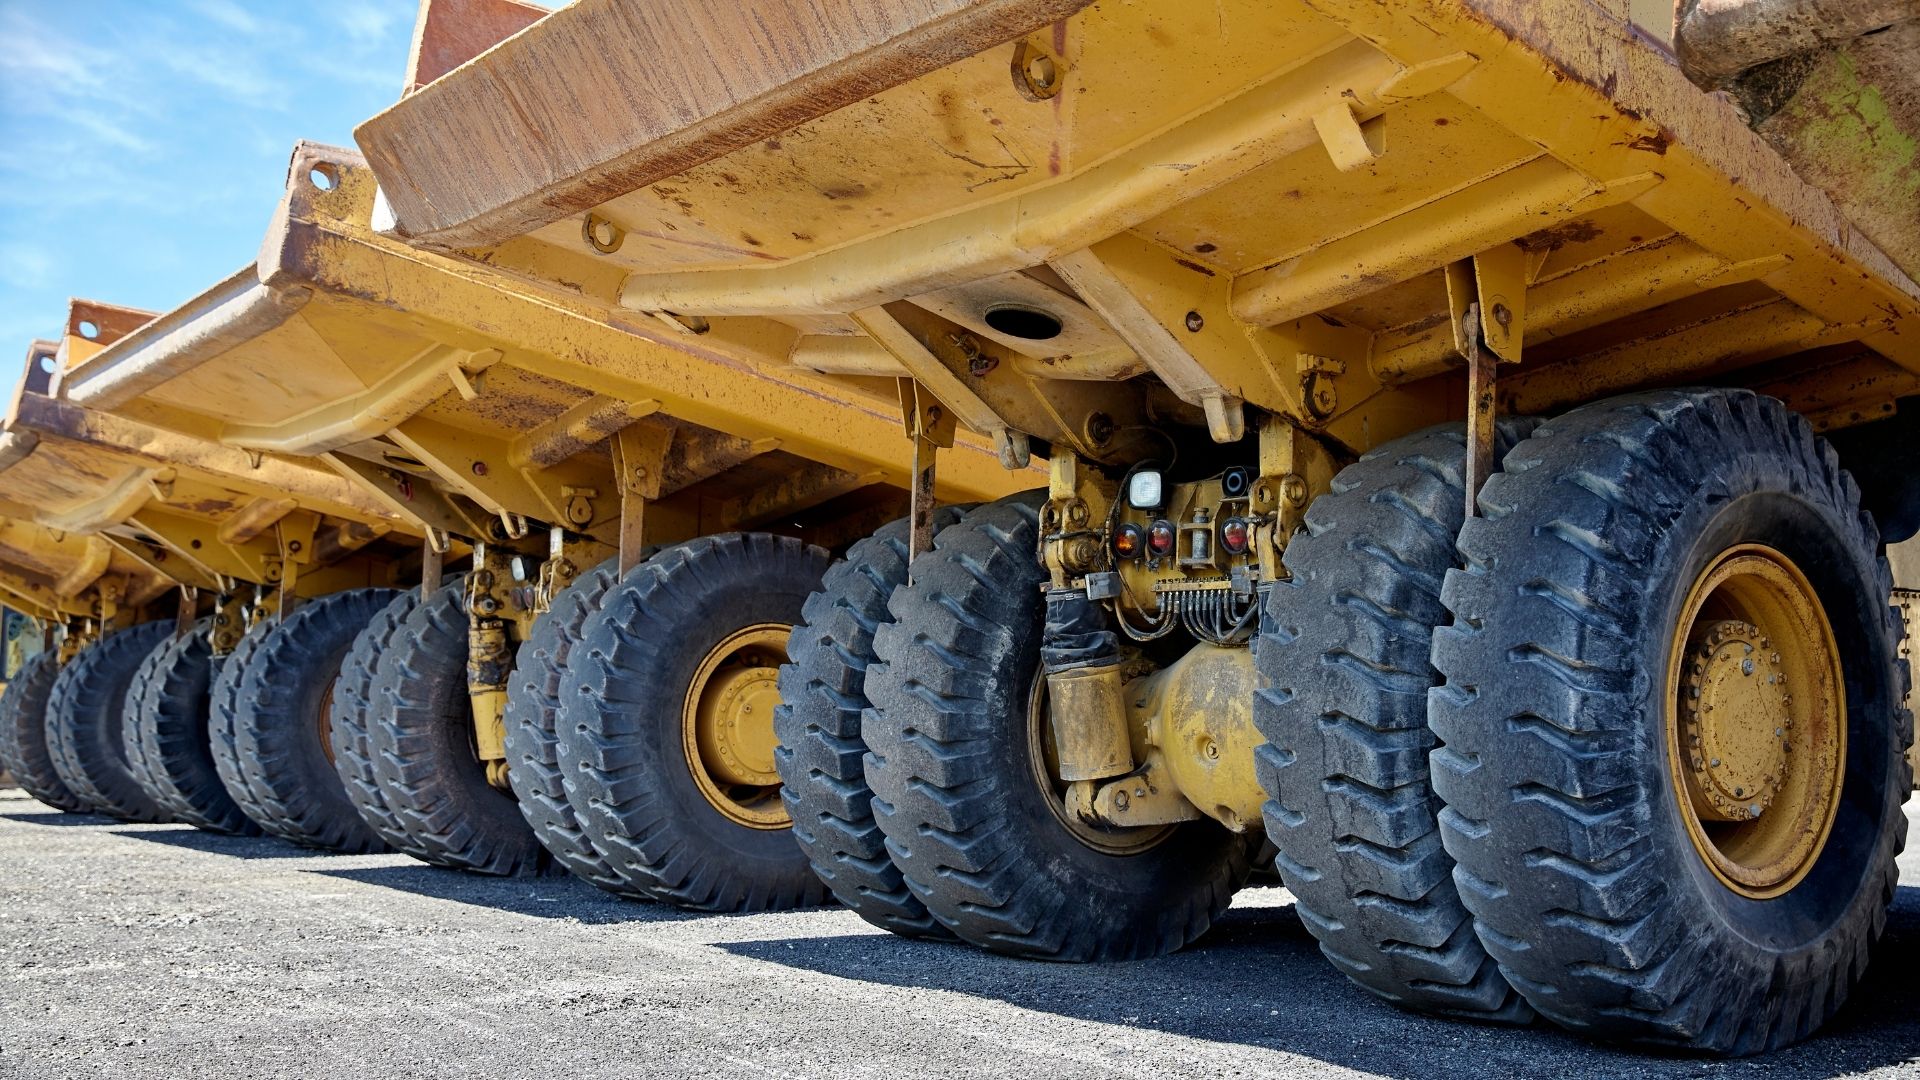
column 1194, row 266
column 1559, row 236
column 1656, row 143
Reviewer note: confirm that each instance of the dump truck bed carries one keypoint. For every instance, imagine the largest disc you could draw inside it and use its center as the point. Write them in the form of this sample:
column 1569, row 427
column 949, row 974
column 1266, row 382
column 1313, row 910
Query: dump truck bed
column 1286, row 179
column 196, row 512
column 455, row 393
column 48, row 574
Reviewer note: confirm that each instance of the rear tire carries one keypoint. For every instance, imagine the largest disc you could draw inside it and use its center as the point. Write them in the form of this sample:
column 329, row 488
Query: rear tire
column 423, row 749
column 822, row 756
column 662, row 633
column 222, row 735
column 350, row 727
column 84, row 721
column 281, row 736
column 1565, row 808
column 23, row 734
column 168, row 735
column 956, row 789
column 1344, row 670
column 533, row 746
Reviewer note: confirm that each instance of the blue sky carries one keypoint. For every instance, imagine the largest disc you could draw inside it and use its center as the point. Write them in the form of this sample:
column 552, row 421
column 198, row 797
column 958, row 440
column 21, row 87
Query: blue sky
column 143, row 143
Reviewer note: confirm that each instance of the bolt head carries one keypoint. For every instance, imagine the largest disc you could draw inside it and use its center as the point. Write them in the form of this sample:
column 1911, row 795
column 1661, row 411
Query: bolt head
column 1195, row 322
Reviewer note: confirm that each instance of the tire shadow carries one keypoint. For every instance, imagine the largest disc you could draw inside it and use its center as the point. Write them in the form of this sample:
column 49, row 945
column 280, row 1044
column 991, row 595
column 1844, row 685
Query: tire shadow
column 559, row 897
column 239, row 847
column 1257, row 978
column 52, row 818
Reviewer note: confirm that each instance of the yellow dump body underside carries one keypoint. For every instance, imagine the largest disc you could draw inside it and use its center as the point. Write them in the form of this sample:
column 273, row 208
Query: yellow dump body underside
column 194, row 512
column 1247, row 201
column 455, row 395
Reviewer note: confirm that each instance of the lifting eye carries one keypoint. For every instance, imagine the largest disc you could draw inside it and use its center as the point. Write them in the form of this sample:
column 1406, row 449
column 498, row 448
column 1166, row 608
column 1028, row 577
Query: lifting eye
column 1128, row 541
column 1161, row 537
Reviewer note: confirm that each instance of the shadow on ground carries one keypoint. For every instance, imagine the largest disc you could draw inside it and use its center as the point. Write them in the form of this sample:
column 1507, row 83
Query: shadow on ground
column 57, row 817
column 543, row 897
column 1258, row 979
column 239, row 847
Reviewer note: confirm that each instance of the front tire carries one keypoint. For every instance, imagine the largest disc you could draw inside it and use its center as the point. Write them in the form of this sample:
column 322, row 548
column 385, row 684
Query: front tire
column 1623, row 893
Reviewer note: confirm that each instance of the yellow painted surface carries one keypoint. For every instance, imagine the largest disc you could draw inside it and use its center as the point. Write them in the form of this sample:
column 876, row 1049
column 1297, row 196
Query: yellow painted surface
column 1188, row 150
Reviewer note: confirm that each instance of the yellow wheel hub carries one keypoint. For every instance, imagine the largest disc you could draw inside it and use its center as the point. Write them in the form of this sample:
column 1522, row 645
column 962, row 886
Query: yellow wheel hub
column 1045, row 761
column 1757, row 721
column 727, row 726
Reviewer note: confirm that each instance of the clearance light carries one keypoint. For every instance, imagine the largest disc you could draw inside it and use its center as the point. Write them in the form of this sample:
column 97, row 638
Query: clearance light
column 1161, row 537
column 1233, row 535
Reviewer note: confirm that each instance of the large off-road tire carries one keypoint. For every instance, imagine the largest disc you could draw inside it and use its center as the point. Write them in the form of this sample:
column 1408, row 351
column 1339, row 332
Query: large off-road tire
column 132, row 746
column 424, row 757
column 23, row 733
column 667, row 713
column 821, row 757
column 167, row 735
column 960, row 788
column 1344, row 670
column 1648, row 569
column 533, row 746
column 281, row 722
column 350, row 726
column 222, row 736
column 84, row 721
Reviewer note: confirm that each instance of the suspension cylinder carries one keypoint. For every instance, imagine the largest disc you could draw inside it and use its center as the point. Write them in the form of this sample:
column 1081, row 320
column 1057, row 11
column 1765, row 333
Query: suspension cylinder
column 1086, row 698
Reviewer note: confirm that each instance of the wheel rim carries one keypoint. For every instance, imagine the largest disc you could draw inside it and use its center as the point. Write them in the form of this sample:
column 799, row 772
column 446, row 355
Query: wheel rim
column 1045, row 760
column 1756, row 724
column 726, row 726
column 324, row 722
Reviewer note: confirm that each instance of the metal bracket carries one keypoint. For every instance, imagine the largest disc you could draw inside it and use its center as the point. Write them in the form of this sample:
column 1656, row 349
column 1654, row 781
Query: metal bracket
column 189, row 608
column 930, row 427
column 639, row 460
column 1487, row 298
column 229, row 618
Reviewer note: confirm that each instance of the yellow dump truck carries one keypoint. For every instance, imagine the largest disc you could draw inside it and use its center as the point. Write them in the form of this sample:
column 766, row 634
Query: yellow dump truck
column 1432, row 395
column 563, row 439
column 242, row 534
column 1016, row 464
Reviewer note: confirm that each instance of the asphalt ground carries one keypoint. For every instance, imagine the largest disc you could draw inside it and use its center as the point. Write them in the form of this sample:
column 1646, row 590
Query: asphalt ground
column 152, row 950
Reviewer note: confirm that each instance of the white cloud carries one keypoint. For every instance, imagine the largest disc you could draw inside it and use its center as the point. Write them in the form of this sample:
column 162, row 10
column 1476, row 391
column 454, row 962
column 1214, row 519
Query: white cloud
column 24, row 266
column 230, row 15
column 366, row 24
